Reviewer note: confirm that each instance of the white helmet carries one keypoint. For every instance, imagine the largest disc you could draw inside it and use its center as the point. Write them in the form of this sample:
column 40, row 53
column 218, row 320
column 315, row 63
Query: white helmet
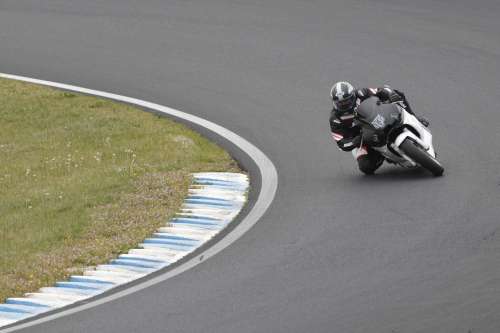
column 343, row 96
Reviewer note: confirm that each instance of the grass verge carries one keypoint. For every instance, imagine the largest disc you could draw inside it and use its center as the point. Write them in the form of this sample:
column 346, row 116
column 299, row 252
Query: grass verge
column 83, row 179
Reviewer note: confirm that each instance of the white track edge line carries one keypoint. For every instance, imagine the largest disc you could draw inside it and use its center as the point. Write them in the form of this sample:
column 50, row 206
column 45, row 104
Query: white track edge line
column 269, row 185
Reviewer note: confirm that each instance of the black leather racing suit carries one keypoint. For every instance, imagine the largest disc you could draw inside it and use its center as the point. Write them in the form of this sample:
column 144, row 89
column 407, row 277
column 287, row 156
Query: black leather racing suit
column 347, row 133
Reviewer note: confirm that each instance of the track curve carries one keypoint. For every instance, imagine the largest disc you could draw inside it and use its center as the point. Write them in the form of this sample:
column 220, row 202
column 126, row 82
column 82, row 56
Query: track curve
column 337, row 252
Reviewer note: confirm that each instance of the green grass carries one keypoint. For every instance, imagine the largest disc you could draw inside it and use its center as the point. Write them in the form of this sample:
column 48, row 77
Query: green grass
column 83, row 179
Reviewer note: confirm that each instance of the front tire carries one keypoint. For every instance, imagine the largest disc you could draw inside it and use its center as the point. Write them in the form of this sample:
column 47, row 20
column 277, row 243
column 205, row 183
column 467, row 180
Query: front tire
column 421, row 157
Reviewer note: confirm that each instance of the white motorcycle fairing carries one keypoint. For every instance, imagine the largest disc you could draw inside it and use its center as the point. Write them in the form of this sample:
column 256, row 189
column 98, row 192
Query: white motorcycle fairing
column 424, row 137
column 412, row 129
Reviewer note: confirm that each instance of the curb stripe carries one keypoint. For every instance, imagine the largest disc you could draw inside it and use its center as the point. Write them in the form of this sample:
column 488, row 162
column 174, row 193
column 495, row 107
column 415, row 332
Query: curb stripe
column 54, row 297
column 66, row 291
column 80, row 285
column 12, row 316
column 83, row 279
column 11, row 308
column 167, row 235
column 135, row 263
column 23, row 301
column 23, row 308
column 143, row 258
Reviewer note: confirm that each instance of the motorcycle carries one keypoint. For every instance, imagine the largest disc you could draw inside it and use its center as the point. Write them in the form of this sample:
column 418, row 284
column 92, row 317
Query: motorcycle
column 396, row 134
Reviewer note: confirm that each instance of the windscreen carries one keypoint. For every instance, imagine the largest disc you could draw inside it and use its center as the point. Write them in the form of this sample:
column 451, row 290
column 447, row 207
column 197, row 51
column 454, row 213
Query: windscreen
column 377, row 115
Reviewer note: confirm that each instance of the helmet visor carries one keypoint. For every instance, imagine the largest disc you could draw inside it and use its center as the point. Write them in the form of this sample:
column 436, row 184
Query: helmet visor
column 345, row 104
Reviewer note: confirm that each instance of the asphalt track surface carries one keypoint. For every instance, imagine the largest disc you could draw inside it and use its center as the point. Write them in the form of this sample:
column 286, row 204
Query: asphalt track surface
column 337, row 251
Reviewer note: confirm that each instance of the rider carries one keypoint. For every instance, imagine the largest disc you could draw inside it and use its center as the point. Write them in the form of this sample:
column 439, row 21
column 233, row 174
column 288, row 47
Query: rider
column 346, row 132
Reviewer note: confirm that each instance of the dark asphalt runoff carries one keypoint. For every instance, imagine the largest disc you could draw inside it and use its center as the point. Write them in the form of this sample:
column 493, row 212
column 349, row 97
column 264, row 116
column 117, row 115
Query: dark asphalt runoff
column 337, row 251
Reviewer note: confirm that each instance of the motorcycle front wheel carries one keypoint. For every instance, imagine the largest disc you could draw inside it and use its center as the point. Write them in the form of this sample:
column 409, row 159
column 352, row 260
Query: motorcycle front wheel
column 421, row 157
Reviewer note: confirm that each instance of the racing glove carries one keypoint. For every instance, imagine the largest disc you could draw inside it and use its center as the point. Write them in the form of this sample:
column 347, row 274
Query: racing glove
column 386, row 93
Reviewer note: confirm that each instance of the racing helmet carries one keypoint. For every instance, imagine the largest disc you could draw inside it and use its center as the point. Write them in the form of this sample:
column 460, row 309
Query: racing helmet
column 343, row 97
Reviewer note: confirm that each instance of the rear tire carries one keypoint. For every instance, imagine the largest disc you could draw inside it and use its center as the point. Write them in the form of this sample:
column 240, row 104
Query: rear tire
column 421, row 157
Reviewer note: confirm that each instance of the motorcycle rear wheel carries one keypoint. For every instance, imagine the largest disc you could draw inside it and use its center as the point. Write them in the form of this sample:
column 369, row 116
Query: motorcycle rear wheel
column 421, row 157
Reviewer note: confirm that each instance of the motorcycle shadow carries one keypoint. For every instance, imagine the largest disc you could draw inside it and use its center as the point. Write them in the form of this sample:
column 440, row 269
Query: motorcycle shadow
column 389, row 173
